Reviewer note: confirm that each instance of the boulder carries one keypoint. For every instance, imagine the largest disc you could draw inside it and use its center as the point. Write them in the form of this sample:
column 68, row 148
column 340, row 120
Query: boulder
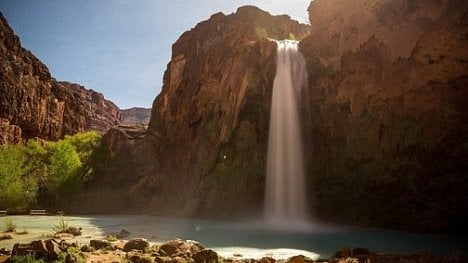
column 136, row 244
column 181, row 248
column 100, row 244
column 122, row 234
column 5, row 251
column 75, row 231
column 140, row 259
column 299, row 259
column 5, row 236
column 163, row 259
column 63, row 235
column 45, row 249
column 86, row 248
column 267, row 260
column 205, row 256
column 182, row 260
column 70, row 258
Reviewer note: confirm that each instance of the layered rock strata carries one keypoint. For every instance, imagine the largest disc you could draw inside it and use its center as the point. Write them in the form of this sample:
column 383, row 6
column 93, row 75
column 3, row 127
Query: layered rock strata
column 385, row 126
column 33, row 104
column 387, row 140
column 136, row 115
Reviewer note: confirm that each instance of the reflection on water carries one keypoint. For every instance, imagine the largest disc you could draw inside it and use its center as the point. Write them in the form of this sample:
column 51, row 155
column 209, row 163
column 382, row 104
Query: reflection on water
column 320, row 239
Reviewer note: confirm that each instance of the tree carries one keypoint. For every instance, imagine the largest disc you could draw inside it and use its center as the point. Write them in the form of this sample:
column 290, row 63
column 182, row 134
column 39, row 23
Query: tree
column 17, row 189
column 86, row 145
column 63, row 170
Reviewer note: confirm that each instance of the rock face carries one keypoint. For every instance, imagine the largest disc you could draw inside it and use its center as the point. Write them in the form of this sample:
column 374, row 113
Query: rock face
column 134, row 116
column 100, row 114
column 206, row 141
column 387, row 140
column 385, row 131
column 33, row 104
column 209, row 125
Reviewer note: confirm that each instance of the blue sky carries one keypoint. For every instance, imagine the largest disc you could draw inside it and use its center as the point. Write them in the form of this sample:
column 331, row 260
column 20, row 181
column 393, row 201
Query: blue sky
column 118, row 47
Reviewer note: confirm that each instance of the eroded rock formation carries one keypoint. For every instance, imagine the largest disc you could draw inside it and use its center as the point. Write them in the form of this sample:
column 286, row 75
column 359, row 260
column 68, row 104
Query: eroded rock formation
column 135, row 115
column 210, row 123
column 205, row 147
column 385, row 128
column 388, row 130
column 100, row 114
column 33, row 104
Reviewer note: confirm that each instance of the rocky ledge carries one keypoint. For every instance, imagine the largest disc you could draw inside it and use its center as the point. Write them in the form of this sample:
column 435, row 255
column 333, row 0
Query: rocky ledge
column 139, row 250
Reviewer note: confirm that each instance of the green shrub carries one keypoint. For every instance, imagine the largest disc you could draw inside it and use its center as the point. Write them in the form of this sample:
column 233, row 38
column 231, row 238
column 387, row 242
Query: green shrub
column 74, row 253
column 9, row 225
column 58, row 169
column 17, row 190
column 261, row 32
column 24, row 259
column 62, row 224
column 292, row 37
column 111, row 237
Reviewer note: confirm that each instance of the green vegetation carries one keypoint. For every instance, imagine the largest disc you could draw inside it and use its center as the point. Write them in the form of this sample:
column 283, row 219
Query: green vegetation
column 9, row 226
column 72, row 253
column 260, row 32
column 111, row 237
column 292, row 37
column 24, row 259
column 45, row 174
column 62, row 224
column 17, row 188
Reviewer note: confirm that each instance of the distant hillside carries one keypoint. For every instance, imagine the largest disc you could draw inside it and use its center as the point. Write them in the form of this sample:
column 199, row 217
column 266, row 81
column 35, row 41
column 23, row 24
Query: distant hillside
column 135, row 115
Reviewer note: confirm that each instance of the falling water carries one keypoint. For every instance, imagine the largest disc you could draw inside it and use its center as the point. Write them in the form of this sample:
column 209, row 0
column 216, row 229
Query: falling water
column 285, row 184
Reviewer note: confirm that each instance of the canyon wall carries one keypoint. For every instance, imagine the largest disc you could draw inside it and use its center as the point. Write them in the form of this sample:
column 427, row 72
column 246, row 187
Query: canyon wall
column 385, row 128
column 135, row 115
column 387, row 140
column 385, row 124
column 33, row 104
column 204, row 151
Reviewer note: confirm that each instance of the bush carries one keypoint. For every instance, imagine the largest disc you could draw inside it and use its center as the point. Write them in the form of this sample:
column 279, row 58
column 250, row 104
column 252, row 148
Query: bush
column 17, row 190
column 62, row 224
column 24, row 259
column 72, row 254
column 58, row 169
column 63, row 166
column 9, row 225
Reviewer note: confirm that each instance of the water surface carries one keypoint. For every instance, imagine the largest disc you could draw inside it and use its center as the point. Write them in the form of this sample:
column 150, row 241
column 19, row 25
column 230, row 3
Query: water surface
column 245, row 237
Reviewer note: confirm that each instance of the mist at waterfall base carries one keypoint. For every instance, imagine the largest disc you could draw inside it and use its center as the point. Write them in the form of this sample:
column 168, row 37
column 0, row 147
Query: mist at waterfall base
column 285, row 196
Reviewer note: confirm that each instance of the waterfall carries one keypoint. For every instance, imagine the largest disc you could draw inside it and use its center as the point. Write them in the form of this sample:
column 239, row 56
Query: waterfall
column 285, row 183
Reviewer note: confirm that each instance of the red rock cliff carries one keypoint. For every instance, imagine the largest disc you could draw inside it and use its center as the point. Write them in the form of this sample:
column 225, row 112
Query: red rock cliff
column 386, row 131
column 101, row 114
column 387, row 137
column 205, row 143
column 33, row 104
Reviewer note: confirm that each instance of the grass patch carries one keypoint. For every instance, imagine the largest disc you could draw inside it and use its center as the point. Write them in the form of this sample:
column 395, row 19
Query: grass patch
column 73, row 254
column 9, row 226
column 25, row 259
column 62, row 224
column 111, row 237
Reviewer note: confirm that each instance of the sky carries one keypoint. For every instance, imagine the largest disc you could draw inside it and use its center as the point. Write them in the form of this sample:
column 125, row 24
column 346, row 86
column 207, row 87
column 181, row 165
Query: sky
column 118, row 47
